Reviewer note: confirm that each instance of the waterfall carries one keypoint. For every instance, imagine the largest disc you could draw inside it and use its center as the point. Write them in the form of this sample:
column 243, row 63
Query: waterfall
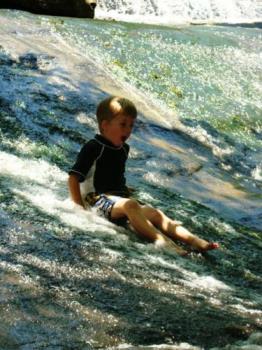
column 181, row 11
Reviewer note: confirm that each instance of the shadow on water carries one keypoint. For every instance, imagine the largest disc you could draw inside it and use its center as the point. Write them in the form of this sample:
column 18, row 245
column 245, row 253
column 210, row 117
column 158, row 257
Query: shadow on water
column 177, row 155
column 36, row 111
column 243, row 25
column 240, row 161
column 61, row 291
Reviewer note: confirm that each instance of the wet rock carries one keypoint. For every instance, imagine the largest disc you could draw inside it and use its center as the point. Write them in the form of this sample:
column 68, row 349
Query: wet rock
column 29, row 60
column 70, row 8
column 239, row 331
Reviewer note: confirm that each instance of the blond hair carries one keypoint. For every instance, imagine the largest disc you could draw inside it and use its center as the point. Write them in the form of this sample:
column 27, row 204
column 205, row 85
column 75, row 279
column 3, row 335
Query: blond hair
column 109, row 108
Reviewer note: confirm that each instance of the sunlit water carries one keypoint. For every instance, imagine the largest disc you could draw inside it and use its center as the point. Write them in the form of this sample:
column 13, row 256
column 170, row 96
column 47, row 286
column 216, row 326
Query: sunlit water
column 70, row 279
column 181, row 11
column 210, row 77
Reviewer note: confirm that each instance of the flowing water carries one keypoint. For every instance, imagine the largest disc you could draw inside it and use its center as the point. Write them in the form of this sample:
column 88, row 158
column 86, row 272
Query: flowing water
column 71, row 280
column 181, row 11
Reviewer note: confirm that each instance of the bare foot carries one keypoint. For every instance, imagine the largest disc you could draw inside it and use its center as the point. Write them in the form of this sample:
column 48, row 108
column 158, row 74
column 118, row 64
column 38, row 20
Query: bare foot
column 208, row 246
column 202, row 245
column 211, row 246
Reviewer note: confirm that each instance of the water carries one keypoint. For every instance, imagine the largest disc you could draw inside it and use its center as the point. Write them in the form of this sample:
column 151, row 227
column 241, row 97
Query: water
column 209, row 77
column 181, row 11
column 70, row 279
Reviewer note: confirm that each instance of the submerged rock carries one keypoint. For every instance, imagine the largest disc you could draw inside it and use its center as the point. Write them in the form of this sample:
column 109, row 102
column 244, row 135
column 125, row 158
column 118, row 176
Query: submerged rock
column 70, row 8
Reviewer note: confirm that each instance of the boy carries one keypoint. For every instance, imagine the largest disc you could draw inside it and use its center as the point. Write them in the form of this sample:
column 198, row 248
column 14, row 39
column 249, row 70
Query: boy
column 101, row 166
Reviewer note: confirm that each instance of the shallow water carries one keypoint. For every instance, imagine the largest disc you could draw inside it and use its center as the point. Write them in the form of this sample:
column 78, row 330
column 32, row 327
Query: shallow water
column 70, row 279
column 206, row 81
column 208, row 77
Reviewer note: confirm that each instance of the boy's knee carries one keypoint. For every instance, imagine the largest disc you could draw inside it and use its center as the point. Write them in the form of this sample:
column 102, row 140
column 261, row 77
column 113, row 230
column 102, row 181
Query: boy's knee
column 158, row 214
column 131, row 205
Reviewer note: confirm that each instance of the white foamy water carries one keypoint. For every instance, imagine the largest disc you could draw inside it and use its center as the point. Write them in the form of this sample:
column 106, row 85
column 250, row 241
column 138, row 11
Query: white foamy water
column 45, row 186
column 180, row 11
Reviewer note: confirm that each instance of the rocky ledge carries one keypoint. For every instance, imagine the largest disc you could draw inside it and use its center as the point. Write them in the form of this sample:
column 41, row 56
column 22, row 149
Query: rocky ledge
column 69, row 8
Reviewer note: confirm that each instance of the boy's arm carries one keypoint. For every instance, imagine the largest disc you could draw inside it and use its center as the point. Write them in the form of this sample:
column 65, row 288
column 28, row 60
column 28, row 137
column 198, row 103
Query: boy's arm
column 77, row 174
column 74, row 189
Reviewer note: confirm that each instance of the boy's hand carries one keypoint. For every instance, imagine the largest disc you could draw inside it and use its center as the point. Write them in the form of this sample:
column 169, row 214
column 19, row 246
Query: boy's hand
column 79, row 206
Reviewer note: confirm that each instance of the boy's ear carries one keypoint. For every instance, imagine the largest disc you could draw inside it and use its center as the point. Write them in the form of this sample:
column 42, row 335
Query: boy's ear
column 103, row 124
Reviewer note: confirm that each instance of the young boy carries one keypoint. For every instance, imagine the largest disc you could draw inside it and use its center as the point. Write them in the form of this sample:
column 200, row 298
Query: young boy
column 100, row 166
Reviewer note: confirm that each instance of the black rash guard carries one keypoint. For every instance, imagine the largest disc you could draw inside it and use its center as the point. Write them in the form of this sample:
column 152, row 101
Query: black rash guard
column 102, row 166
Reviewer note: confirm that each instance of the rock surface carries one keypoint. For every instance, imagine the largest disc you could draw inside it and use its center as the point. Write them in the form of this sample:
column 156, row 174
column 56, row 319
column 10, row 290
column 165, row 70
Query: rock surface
column 70, row 8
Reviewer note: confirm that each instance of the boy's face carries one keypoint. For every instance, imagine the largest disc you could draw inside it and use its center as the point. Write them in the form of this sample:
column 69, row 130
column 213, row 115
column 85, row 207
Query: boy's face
column 118, row 129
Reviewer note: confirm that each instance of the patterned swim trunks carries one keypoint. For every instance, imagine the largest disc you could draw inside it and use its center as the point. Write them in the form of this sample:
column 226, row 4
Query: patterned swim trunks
column 104, row 204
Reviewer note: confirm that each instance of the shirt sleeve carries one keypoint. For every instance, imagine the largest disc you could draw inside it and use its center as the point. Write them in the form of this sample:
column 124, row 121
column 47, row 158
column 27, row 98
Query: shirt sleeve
column 85, row 159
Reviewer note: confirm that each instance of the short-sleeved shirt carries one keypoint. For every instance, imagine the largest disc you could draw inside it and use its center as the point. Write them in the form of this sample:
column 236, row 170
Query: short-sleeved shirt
column 102, row 166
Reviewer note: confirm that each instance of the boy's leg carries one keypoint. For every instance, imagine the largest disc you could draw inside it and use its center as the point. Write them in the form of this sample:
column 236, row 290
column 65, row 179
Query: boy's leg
column 175, row 230
column 142, row 225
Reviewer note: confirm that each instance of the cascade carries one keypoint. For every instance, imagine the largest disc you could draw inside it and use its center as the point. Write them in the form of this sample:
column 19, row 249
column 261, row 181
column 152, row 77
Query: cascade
column 170, row 11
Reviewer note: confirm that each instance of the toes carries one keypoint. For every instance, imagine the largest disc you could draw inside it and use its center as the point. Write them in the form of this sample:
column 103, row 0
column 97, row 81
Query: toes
column 213, row 245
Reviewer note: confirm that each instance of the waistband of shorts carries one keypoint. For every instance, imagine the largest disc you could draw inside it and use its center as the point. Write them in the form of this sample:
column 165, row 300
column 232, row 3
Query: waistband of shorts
column 93, row 197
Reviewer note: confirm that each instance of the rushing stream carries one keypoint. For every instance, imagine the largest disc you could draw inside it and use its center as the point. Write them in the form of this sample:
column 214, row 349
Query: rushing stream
column 70, row 279
column 181, row 11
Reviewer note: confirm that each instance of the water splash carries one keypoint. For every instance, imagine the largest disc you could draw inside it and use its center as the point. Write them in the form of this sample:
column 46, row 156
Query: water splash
column 170, row 12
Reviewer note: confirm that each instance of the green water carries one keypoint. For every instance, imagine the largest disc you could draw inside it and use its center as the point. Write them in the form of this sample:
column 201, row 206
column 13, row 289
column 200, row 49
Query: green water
column 209, row 76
